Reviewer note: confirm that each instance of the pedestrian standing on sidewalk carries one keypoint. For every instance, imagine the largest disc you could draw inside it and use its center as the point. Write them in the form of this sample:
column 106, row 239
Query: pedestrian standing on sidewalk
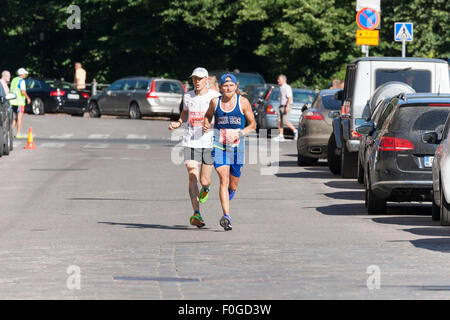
column 230, row 112
column 80, row 76
column 6, row 77
column 197, row 145
column 19, row 88
column 286, row 98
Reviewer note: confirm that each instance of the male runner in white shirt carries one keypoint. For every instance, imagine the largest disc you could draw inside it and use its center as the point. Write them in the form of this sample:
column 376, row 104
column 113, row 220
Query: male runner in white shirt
column 197, row 145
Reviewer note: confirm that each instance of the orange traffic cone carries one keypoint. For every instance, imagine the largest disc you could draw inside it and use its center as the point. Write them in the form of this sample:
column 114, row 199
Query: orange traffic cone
column 30, row 144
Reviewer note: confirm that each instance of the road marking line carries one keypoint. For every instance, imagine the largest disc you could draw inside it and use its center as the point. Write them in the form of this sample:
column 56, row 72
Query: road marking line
column 62, row 136
column 136, row 136
column 96, row 146
column 53, row 145
column 138, row 146
column 98, row 136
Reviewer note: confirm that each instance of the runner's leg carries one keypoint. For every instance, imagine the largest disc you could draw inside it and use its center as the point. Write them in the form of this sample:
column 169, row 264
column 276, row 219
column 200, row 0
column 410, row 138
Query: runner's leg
column 193, row 172
column 224, row 177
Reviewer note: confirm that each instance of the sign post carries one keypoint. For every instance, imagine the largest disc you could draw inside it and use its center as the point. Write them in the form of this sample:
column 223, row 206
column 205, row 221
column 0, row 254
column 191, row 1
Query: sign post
column 403, row 32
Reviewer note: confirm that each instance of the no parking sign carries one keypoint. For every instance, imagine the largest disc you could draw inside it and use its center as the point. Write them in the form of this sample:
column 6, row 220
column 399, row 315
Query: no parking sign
column 368, row 19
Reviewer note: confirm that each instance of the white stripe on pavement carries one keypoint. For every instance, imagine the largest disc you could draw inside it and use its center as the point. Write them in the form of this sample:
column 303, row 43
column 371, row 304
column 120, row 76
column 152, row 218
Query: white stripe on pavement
column 98, row 136
column 96, row 146
column 138, row 146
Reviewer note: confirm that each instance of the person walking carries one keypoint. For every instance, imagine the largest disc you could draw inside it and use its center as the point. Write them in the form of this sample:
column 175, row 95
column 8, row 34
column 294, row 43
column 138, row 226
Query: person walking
column 19, row 88
column 4, row 80
column 80, row 76
column 286, row 98
column 197, row 145
column 230, row 112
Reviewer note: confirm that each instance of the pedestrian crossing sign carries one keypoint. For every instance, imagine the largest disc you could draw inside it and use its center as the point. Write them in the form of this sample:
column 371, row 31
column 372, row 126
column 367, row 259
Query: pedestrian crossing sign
column 403, row 31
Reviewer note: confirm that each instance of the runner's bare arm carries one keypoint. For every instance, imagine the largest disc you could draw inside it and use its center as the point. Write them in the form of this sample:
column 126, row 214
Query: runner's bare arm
column 248, row 112
column 183, row 118
column 209, row 114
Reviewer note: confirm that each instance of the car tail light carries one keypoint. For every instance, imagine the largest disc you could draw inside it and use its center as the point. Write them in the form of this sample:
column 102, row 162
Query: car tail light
column 313, row 115
column 85, row 95
column 184, row 88
column 395, row 144
column 270, row 110
column 57, row 93
column 152, row 94
column 355, row 134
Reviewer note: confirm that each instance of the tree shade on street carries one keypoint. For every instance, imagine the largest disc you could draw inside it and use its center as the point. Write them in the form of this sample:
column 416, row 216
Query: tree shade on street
column 308, row 40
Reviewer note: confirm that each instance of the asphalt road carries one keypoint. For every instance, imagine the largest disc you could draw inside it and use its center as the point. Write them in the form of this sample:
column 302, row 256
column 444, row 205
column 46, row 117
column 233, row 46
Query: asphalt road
column 100, row 210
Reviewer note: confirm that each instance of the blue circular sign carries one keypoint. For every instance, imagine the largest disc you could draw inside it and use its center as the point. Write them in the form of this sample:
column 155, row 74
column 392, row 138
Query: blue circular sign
column 368, row 19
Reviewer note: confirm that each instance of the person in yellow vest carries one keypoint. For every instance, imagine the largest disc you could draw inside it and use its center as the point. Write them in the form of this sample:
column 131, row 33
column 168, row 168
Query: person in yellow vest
column 19, row 87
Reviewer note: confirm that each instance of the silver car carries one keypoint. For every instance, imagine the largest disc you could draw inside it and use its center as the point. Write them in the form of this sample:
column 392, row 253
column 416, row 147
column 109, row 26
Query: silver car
column 267, row 115
column 139, row 96
column 441, row 172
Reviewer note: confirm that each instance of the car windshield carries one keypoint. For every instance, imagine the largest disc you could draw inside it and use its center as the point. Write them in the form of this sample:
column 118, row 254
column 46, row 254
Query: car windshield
column 54, row 84
column 330, row 103
column 303, row 96
column 248, row 79
column 419, row 80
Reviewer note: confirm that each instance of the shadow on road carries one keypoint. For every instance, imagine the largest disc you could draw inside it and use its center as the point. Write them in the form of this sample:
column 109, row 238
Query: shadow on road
column 347, row 209
column 155, row 226
column 344, row 184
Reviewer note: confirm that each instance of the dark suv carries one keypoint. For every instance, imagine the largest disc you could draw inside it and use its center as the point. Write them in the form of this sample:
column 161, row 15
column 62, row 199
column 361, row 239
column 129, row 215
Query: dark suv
column 398, row 164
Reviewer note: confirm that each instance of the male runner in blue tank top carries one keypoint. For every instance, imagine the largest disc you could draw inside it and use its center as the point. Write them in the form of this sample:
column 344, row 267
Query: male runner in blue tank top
column 229, row 112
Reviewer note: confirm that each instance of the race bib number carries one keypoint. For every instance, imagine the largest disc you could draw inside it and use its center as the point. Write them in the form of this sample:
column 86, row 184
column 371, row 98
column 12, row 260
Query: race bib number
column 196, row 118
column 227, row 135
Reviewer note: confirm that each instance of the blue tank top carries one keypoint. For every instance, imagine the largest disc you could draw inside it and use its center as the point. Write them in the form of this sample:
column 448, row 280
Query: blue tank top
column 225, row 122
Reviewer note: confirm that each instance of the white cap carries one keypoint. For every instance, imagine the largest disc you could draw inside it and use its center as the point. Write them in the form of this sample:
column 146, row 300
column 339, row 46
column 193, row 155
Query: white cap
column 22, row 71
column 200, row 72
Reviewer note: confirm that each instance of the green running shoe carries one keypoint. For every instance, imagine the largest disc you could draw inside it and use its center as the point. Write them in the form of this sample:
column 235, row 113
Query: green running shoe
column 204, row 193
column 197, row 220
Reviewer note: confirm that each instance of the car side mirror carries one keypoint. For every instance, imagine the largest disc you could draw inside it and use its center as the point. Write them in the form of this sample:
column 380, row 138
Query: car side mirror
column 305, row 107
column 365, row 129
column 430, row 137
column 333, row 114
column 339, row 95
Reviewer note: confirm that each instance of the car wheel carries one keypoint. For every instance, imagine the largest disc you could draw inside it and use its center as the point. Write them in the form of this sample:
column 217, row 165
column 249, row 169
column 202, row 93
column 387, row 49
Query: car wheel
column 6, row 142
column 435, row 210
column 360, row 173
column 2, row 143
column 94, row 111
column 333, row 160
column 349, row 161
column 305, row 161
column 444, row 210
column 37, row 106
column 374, row 204
column 134, row 112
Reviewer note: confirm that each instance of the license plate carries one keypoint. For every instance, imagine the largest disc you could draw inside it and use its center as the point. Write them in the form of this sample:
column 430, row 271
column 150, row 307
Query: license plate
column 73, row 96
column 428, row 162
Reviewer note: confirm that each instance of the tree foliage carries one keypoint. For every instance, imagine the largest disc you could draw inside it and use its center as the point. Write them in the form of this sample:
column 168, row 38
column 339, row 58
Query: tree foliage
column 310, row 41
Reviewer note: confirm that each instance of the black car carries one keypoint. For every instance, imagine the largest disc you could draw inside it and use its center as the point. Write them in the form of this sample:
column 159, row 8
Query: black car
column 398, row 165
column 50, row 96
column 6, row 118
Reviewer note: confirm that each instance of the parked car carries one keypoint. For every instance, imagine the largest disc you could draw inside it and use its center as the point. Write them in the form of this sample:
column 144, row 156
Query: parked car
column 244, row 78
column 315, row 128
column 376, row 106
column 267, row 110
column 363, row 77
column 139, row 96
column 6, row 118
column 441, row 165
column 398, row 164
column 255, row 95
column 51, row 95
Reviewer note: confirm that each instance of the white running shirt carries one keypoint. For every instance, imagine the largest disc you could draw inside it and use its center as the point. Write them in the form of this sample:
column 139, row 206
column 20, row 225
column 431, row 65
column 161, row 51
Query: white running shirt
column 197, row 107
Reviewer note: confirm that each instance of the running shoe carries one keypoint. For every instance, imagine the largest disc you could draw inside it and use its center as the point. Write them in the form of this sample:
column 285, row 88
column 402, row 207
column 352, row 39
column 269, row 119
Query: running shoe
column 231, row 194
column 197, row 220
column 204, row 193
column 225, row 222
